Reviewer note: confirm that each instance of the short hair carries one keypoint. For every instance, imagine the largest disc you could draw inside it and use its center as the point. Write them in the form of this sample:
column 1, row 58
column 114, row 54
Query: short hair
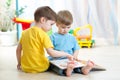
column 46, row 12
column 64, row 17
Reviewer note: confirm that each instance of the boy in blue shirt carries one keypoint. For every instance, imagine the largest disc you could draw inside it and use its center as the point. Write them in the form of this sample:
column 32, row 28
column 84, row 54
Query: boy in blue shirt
column 63, row 41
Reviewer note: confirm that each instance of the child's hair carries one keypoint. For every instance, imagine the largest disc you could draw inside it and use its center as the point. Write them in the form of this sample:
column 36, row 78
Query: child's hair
column 46, row 12
column 64, row 17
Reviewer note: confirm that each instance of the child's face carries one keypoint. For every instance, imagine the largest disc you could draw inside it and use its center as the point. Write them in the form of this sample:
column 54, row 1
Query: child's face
column 63, row 29
column 47, row 25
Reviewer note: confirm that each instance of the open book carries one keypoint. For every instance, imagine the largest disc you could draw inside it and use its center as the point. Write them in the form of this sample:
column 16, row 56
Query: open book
column 62, row 64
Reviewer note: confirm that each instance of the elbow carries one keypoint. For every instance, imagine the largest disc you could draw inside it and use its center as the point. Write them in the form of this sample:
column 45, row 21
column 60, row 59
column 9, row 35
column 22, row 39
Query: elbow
column 17, row 50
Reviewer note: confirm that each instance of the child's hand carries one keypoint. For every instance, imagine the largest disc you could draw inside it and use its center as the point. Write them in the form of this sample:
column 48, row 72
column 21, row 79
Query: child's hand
column 75, row 57
column 70, row 57
column 19, row 67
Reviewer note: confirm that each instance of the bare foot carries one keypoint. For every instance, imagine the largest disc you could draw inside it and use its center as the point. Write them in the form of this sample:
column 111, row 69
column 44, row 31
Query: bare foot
column 86, row 69
column 70, row 67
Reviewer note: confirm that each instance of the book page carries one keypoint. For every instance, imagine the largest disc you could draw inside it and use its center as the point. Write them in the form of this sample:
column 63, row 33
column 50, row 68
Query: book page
column 62, row 64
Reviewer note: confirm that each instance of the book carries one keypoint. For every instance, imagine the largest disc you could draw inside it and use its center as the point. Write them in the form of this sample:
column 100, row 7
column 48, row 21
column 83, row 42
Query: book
column 62, row 64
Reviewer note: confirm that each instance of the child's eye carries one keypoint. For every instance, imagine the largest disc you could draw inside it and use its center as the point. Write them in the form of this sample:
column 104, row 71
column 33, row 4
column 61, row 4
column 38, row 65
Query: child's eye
column 63, row 27
column 51, row 24
column 68, row 27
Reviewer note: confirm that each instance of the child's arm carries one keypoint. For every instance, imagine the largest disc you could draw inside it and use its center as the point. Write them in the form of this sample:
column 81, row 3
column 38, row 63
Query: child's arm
column 18, row 55
column 55, row 53
column 75, row 55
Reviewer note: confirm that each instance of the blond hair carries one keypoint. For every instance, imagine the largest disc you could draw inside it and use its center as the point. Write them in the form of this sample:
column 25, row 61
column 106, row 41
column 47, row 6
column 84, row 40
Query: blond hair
column 64, row 17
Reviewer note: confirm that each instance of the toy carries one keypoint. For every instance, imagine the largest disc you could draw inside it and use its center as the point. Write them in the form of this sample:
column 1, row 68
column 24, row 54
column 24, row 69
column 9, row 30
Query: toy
column 50, row 32
column 25, row 23
column 71, row 31
column 84, row 40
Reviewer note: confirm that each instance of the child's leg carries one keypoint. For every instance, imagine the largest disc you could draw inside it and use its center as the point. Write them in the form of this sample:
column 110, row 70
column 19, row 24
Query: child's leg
column 86, row 69
column 70, row 67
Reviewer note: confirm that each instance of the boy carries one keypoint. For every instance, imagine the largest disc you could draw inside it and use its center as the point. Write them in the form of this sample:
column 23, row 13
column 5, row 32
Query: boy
column 30, row 50
column 63, row 41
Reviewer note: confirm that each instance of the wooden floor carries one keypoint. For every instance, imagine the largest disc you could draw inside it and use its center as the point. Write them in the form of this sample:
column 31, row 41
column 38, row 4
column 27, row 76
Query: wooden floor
column 106, row 56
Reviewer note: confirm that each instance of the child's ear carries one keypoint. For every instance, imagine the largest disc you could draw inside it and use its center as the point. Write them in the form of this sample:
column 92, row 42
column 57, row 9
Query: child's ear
column 43, row 19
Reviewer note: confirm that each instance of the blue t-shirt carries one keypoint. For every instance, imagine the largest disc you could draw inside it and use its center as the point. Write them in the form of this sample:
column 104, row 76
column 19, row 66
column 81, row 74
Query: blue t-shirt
column 66, row 42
